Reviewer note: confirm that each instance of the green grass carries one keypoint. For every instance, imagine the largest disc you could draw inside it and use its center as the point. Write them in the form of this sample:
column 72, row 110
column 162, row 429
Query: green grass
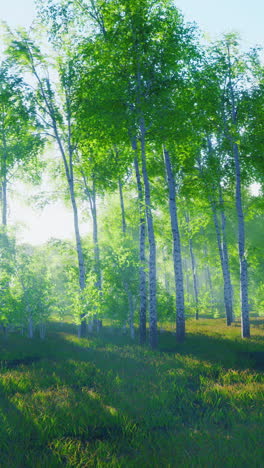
column 105, row 402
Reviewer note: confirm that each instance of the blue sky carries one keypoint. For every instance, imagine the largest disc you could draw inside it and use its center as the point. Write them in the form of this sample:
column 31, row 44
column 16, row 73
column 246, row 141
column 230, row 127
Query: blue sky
column 214, row 17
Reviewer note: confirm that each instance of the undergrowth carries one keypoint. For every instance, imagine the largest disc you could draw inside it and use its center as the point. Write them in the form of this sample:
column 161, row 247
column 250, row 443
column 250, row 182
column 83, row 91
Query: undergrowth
column 107, row 402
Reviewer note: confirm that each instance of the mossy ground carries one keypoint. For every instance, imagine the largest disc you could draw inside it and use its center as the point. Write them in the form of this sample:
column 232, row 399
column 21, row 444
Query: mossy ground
column 106, row 402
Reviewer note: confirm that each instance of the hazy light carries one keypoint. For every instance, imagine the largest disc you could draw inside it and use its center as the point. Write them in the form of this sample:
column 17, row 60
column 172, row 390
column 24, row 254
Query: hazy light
column 255, row 189
column 37, row 226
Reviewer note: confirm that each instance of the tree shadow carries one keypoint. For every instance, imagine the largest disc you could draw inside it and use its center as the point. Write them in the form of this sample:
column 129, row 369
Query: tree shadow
column 21, row 441
column 102, row 393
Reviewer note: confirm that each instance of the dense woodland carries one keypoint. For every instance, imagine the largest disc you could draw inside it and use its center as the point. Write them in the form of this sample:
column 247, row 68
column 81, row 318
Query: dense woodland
column 156, row 139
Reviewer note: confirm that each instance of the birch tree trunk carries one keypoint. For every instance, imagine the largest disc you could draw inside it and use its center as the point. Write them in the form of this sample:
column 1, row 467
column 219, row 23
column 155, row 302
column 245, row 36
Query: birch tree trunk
column 225, row 268
column 142, row 255
column 96, row 241
column 194, row 269
column 127, row 287
column 4, row 200
column 4, row 181
column 68, row 165
column 241, row 249
column 177, row 258
column 122, row 205
column 209, row 277
column 66, row 149
column 91, row 195
column 222, row 245
column 79, row 249
column 229, row 289
column 240, row 214
column 153, row 331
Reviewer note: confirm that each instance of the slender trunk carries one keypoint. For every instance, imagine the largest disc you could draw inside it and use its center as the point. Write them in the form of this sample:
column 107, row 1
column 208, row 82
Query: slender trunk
column 82, row 329
column 194, row 269
column 81, row 264
column 240, row 216
column 142, row 255
column 67, row 159
column 222, row 247
column 66, row 151
column 4, row 182
column 208, row 275
column 68, row 165
column 224, row 266
column 122, row 205
column 166, row 276
column 127, row 288
column 4, row 200
column 177, row 258
column 97, row 261
column 241, row 250
column 153, row 331
column 229, row 289
column 91, row 195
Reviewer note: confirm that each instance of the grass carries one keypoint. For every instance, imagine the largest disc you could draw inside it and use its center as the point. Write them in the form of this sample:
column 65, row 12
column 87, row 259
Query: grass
column 105, row 402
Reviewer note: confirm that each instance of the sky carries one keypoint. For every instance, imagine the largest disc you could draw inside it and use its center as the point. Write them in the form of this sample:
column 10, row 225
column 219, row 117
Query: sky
column 213, row 17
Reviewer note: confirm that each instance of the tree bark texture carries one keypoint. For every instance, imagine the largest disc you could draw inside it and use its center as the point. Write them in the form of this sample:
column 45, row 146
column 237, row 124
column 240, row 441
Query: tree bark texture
column 177, row 258
column 194, row 269
column 241, row 250
column 225, row 267
column 142, row 256
column 4, row 180
column 126, row 285
column 153, row 331
column 245, row 331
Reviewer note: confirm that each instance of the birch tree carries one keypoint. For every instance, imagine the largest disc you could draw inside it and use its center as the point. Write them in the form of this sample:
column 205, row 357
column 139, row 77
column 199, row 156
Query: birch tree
column 56, row 113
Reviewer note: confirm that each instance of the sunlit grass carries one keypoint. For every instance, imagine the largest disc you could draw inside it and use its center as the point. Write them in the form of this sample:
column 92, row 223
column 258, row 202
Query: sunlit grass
column 105, row 401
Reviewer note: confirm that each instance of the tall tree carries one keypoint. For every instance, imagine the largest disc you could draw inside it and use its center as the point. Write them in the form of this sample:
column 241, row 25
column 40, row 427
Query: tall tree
column 56, row 111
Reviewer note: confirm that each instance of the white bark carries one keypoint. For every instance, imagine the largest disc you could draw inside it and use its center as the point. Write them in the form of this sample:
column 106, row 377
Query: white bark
column 153, row 331
column 225, row 268
column 240, row 216
column 194, row 268
column 177, row 258
column 241, row 250
column 91, row 195
column 127, row 287
column 142, row 255
column 220, row 229
column 66, row 151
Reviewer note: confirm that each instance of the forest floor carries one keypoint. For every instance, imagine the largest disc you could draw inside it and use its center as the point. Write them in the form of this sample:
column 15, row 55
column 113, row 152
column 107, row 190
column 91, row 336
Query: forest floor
column 106, row 402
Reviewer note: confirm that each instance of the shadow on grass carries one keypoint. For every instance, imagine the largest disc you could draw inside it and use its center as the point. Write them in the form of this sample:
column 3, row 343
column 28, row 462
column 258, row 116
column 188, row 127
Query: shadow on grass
column 103, row 400
column 21, row 441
